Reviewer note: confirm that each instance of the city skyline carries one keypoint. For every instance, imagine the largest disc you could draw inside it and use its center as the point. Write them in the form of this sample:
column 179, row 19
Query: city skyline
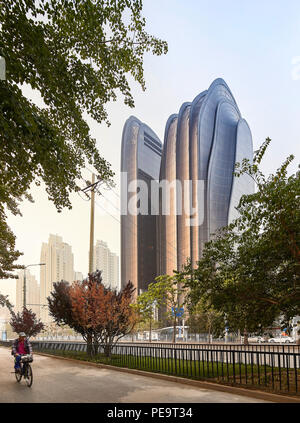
column 33, row 281
column 257, row 64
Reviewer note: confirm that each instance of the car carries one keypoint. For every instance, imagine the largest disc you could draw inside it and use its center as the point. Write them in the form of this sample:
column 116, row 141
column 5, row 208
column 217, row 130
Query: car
column 282, row 340
column 258, row 339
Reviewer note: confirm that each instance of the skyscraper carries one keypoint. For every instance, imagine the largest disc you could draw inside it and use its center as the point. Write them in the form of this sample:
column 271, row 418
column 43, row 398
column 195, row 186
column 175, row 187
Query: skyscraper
column 140, row 161
column 32, row 293
column 108, row 263
column 59, row 266
column 202, row 143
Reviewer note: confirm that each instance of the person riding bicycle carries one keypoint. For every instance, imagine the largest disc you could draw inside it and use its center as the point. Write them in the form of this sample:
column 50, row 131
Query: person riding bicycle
column 20, row 347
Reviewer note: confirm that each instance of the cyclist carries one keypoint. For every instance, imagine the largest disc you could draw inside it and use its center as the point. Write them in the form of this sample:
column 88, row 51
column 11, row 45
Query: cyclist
column 20, row 346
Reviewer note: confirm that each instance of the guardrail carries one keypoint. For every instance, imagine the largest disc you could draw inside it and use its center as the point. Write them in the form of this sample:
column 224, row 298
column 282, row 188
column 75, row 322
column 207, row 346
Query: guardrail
column 277, row 371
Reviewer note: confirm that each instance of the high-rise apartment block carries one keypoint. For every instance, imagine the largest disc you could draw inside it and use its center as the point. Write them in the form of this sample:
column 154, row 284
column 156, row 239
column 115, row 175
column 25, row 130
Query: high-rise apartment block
column 108, row 263
column 59, row 260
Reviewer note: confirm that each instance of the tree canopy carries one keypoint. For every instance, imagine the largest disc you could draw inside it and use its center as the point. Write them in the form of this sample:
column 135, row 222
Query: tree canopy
column 98, row 313
column 78, row 55
column 26, row 322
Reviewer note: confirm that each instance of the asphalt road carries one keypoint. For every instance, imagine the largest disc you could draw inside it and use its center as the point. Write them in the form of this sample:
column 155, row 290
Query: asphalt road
column 60, row 381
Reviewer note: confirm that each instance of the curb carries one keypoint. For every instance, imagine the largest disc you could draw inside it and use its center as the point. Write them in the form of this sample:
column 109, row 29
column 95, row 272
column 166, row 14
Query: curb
column 200, row 384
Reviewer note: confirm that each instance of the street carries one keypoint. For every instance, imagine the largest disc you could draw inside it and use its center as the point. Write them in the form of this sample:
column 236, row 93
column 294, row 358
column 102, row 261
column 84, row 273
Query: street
column 60, row 381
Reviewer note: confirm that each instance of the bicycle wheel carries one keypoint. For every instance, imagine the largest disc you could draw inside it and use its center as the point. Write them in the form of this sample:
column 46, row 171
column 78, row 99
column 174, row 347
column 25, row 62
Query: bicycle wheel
column 18, row 375
column 28, row 376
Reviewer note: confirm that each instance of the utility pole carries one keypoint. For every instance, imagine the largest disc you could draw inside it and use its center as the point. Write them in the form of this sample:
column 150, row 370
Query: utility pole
column 24, row 289
column 92, row 187
column 91, row 257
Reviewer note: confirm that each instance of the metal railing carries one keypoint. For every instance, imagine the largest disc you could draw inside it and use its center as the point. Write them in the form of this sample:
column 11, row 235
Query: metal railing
column 276, row 370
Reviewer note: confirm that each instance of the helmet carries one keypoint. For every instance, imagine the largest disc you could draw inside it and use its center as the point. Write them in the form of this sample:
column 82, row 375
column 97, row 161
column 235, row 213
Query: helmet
column 22, row 334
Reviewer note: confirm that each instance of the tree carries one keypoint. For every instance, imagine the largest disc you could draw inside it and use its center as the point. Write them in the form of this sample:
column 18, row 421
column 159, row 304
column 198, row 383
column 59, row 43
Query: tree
column 204, row 318
column 169, row 293
column 104, row 312
column 60, row 308
column 77, row 55
column 145, row 305
column 26, row 322
column 250, row 270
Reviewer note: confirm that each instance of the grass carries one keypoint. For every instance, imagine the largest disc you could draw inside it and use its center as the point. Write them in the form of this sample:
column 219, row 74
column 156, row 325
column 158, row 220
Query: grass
column 250, row 376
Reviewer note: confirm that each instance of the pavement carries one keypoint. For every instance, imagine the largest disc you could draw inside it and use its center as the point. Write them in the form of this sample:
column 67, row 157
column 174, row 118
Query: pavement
column 61, row 381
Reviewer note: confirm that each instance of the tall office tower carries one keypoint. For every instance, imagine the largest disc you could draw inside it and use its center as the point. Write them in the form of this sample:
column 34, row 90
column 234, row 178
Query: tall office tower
column 59, row 266
column 32, row 293
column 202, row 143
column 140, row 161
column 108, row 263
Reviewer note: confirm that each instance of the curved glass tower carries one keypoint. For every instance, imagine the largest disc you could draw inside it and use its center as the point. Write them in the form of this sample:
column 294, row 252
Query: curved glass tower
column 140, row 164
column 202, row 143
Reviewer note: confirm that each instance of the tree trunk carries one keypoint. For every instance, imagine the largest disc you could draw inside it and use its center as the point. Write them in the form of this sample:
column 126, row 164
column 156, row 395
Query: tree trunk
column 96, row 347
column 150, row 334
column 107, row 350
column 89, row 345
column 209, row 334
column 174, row 331
column 246, row 337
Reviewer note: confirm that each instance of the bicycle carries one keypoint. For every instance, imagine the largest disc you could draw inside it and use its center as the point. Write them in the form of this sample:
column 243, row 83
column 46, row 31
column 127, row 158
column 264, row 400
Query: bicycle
column 26, row 370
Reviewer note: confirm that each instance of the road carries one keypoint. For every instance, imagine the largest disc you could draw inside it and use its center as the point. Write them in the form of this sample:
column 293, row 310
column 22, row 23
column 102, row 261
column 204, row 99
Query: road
column 60, row 381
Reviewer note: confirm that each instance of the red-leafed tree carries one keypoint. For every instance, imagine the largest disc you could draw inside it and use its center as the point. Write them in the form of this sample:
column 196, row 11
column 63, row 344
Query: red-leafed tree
column 60, row 308
column 27, row 322
column 103, row 312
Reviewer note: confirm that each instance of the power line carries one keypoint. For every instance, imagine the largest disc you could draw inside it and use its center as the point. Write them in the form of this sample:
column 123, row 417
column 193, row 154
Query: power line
column 103, row 208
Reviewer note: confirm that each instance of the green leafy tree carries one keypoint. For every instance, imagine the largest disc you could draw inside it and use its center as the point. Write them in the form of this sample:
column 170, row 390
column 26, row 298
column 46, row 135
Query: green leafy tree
column 77, row 55
column 169, row 293
column 145, row 307
column 204, row 318
column 250, row 270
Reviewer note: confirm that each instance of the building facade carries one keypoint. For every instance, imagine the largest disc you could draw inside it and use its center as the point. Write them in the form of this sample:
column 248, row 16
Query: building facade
column 59, row 260
column 140, row 164
column 32, row 293
column 108, row 263
column 202, row 143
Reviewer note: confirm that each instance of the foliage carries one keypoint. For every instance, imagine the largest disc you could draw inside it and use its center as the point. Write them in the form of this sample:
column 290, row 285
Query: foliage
column 168, row 291
column 104, row 312
column 26, row 322
column 145, row 306
column 205, row 319
column 250, row 271
column 98, row 313
column 76, row 55
column 8, row 253
column 4, row 302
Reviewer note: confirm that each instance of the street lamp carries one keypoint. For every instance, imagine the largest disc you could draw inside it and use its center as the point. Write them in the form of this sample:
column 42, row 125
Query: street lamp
column 24, row 282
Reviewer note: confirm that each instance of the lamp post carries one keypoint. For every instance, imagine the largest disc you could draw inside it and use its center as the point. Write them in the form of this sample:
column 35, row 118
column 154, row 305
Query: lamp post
column 24, row 282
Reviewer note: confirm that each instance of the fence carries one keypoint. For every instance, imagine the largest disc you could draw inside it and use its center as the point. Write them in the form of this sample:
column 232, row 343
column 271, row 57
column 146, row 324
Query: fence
column 276, row 370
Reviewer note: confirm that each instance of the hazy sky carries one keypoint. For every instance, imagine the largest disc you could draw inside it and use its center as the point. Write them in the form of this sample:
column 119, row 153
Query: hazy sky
column 254, row 46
